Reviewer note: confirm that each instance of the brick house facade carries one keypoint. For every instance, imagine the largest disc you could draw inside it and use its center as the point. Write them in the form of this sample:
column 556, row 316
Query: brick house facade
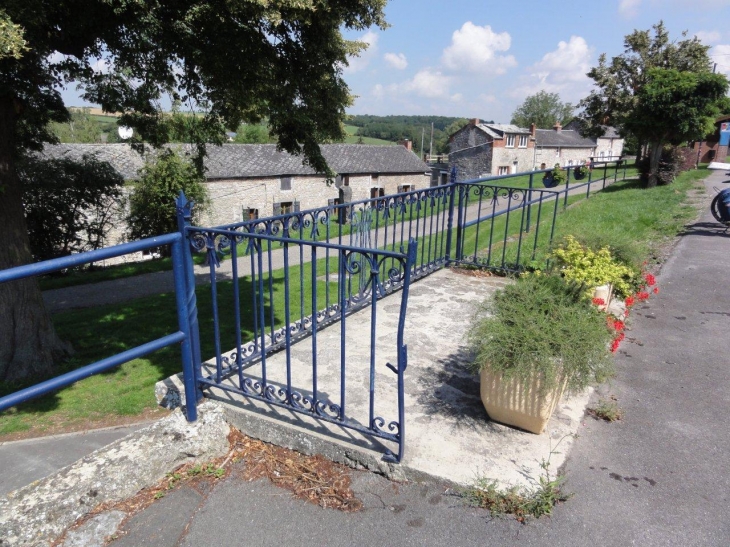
column 713, row 147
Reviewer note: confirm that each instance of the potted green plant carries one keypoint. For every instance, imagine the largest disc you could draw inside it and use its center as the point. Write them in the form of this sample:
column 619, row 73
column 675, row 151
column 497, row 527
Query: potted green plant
column 535, row 339
column 580, row 172
column 555, row 177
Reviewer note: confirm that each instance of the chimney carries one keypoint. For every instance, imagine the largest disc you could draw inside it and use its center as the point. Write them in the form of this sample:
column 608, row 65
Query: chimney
column 407, row 143
column 557, row 126
column 532, row 130
column 474, row 121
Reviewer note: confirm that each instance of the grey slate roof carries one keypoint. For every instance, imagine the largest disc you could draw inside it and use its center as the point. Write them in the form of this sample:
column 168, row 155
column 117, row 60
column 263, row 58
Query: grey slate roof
column 497, row 130
column 565, row 138
column 126, row 161
column 259, row 160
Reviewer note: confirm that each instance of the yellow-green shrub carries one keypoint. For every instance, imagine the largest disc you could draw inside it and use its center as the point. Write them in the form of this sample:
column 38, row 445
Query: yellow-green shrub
column 594, row 268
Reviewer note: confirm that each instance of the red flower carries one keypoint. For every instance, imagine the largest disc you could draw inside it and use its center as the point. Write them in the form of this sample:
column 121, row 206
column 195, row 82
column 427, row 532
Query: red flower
column 629, row 301
column 656, row 290
column 599, row 301
column 618, row 325
column 642, row 295
column 650, row 279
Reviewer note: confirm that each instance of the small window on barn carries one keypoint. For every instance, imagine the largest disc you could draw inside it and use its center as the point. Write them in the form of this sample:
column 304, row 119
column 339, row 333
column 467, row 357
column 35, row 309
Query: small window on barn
column 503, row 170
column 523, row 141
column 510, row 141
column 285, row 183
column 346, row 180
column 250, row 214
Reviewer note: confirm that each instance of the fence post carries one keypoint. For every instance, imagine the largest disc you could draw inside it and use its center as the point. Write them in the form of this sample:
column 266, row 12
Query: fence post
column 450, row 222
column 184, row 215
column 529, row 202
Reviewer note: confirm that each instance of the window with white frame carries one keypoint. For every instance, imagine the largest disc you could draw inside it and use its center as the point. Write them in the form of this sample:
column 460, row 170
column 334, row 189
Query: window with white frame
column 523, row 141
column 510, row 141
column 285, row 183
column 503, row 170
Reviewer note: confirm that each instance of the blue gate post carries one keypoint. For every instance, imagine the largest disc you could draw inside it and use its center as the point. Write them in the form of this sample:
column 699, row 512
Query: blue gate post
column 529, row 202
column 184, row 214
column 450, row 222
column 403, row 348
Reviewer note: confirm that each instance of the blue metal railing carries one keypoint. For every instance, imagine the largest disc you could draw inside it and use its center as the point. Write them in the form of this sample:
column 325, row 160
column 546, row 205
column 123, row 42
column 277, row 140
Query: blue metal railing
column 182, row 336
column 290, row 288
column 332, row 262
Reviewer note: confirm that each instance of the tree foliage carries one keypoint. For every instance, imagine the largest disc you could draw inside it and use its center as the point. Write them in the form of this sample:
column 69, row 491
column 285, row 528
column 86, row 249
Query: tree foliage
column 396, row 128
column 69, row 205
column 621, row 96
column 543, row 109
column 235, row 62
column 80, row 127
column 152, row 199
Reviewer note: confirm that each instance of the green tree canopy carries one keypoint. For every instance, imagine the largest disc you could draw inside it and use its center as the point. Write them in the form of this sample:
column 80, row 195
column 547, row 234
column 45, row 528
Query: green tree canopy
column 234, row 60
column 619, row 84
column 69, row 205
column 543, row 109
column 152, row 200
column 675, row 106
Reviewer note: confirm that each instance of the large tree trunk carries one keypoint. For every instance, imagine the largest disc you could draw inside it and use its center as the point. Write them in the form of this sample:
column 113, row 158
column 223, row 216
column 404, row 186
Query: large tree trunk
column 655, row 154
column 29, row 346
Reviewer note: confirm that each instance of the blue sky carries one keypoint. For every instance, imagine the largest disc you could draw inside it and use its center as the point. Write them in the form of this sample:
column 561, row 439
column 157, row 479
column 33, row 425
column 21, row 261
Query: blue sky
column 481, row 59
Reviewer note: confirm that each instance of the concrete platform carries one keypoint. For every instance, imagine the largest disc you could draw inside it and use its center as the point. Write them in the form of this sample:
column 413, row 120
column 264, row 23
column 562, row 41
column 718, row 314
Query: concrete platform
column 448, row 434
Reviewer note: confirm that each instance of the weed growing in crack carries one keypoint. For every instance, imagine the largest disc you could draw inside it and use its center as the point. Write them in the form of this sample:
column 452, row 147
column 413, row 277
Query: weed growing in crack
column 607, row 410
column 520, row 501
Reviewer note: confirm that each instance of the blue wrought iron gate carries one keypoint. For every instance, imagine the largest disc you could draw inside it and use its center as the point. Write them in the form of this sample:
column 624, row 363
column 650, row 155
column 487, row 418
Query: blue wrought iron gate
column 295, row 274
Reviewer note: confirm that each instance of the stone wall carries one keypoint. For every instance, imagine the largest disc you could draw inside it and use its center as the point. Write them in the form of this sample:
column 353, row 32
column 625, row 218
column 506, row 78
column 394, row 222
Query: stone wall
column 233, row 200
column 564, row 156
column 609, row 147
column 506, row 158
column 467, row 137
column 472, row 163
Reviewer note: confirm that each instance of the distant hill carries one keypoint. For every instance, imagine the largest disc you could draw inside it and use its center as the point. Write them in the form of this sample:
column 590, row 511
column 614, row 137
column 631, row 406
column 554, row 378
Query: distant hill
column 416, row 128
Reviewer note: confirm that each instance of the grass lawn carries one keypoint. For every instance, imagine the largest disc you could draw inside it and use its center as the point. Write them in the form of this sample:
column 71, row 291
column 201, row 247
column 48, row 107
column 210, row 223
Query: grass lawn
column 636, row 222
column 99, row 332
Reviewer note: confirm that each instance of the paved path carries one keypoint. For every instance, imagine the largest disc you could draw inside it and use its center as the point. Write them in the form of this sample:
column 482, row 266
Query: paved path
column 121, row 290
column 659, row 477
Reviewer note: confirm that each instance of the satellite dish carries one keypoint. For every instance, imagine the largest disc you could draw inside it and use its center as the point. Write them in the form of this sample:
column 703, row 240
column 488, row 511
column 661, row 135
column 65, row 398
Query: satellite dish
column 124, row 132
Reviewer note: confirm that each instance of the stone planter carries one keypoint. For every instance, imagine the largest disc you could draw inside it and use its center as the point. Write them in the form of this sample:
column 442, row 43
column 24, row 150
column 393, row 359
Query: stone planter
column 605, row 293
column 511, row 403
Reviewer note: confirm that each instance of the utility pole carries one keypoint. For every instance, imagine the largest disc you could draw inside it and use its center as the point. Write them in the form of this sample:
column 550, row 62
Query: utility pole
column 423, row 132
column 430, row 146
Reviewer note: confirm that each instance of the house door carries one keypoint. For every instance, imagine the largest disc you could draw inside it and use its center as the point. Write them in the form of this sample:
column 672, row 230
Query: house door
column 514, row 167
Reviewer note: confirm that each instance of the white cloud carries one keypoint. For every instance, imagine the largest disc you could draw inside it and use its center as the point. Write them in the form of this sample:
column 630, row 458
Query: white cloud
column 476, row 49
column 360, row 62
column 456, row 98
column 428, row 83
column 720, row 54
column 708, row 37
column 396, row 60
column 629, row 8
column 561, row 71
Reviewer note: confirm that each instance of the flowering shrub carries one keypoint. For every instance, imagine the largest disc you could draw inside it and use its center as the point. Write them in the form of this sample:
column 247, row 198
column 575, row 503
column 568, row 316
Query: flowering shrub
column 594, row 268
column 617, row 326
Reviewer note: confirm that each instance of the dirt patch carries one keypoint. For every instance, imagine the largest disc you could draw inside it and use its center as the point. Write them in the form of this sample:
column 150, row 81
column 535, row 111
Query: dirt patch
column 474, row 272
column 311, row 478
